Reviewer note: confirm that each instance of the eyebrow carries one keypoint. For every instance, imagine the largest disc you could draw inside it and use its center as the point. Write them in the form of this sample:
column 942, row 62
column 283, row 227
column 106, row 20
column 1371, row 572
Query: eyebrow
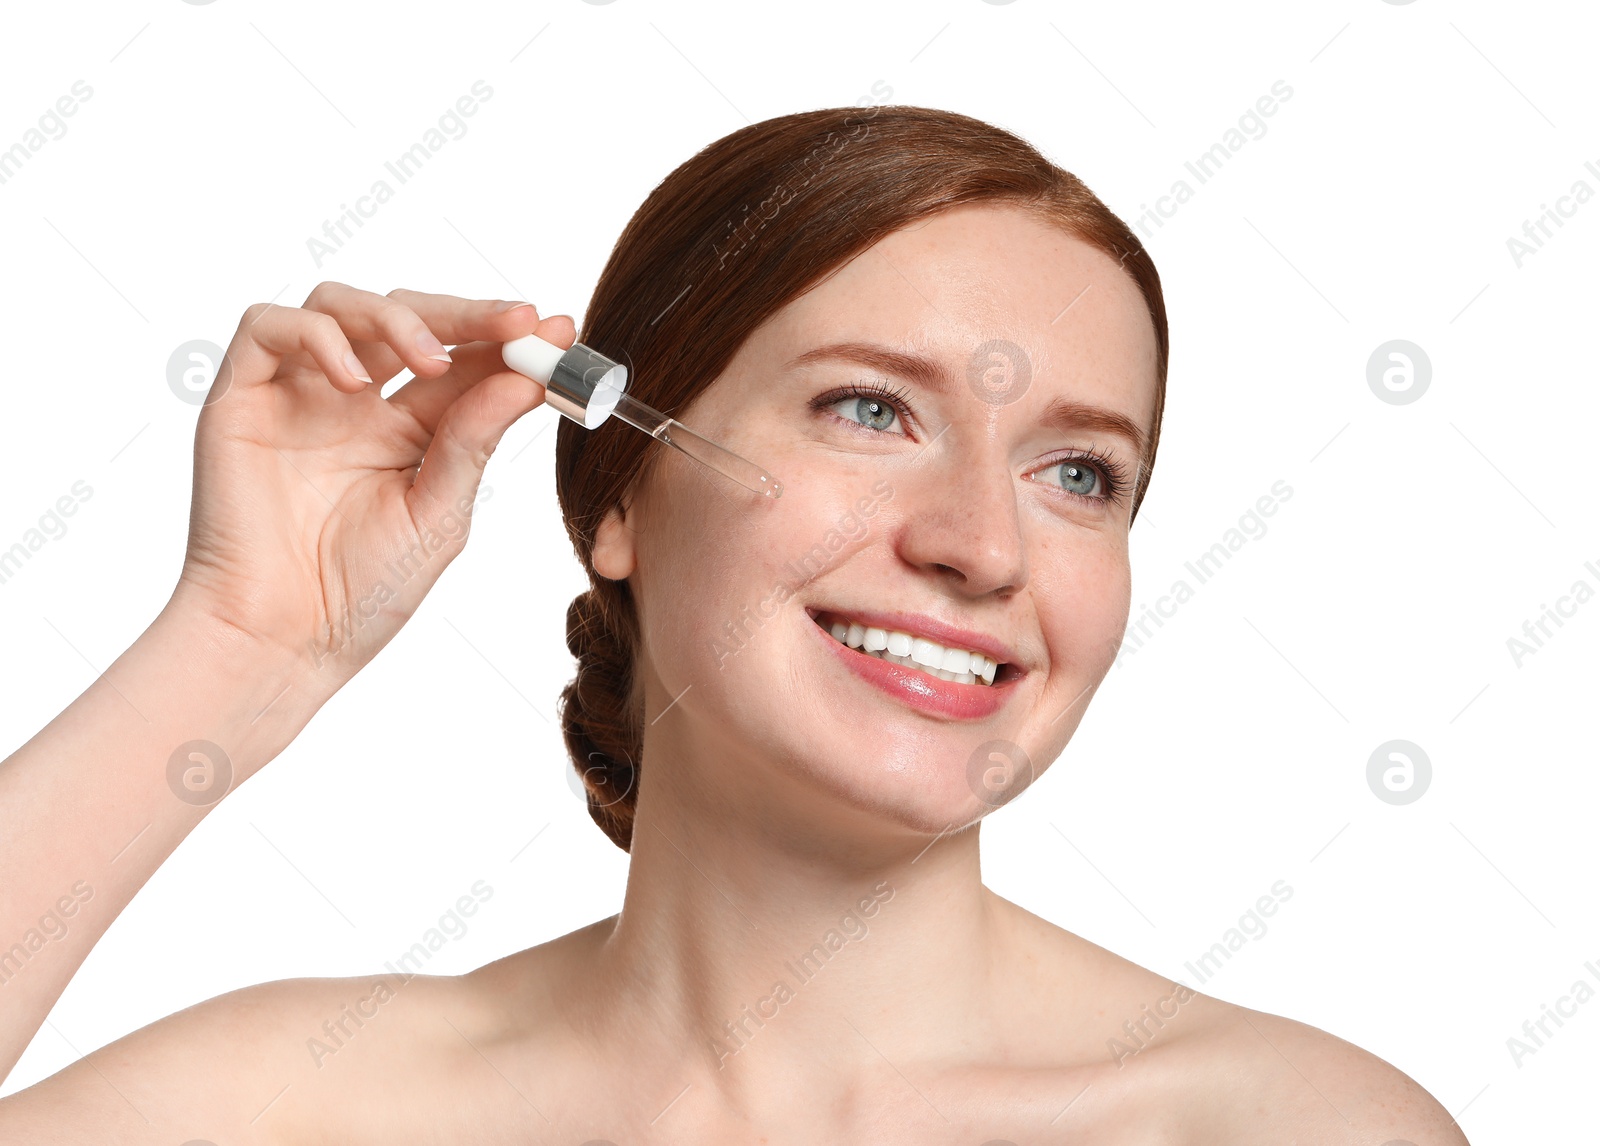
column 1062, row 412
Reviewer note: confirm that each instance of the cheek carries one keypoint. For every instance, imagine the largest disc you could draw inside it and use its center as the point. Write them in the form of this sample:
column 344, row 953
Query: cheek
column 1085, row 609
column 725, row 565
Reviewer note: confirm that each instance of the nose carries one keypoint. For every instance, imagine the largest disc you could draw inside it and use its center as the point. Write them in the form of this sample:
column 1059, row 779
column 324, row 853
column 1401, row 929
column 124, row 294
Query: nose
column 962, row 521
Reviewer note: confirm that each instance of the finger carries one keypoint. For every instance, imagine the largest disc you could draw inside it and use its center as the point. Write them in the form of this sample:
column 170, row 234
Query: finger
column 426, row 399
column 468, row 433
column 388, row 335
column 451, row 320
column 454, row 319
column 268, row 333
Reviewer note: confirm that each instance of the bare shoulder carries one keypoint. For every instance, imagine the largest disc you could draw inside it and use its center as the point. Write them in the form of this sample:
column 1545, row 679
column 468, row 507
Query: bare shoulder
column 313, row 1061
column 1269, row 1079
column 1158, row 1054
column 254, row 1066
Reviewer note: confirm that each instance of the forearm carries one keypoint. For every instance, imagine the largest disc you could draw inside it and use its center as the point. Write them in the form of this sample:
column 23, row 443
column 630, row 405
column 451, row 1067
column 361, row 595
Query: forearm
column 93, row 804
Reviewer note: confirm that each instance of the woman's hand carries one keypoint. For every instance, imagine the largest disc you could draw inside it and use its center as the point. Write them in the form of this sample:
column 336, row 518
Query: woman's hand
column 312, row 528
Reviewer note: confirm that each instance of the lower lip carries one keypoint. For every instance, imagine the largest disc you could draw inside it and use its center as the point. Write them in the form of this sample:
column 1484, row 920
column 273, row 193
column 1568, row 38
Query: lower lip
column 919, row 689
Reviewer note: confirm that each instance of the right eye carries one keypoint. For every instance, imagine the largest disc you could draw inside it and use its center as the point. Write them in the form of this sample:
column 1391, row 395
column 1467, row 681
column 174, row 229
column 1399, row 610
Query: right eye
column 871, row 407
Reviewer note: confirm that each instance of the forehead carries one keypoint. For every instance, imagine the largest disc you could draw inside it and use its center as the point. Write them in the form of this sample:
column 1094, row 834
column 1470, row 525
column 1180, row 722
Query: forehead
column 961, row 282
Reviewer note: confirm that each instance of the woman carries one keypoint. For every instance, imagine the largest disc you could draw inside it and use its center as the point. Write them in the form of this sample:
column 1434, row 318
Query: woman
column 792, row 713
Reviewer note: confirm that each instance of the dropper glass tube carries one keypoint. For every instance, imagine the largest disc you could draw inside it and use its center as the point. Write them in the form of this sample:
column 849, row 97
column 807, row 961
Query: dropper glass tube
column 584, row 385
column 701, row 449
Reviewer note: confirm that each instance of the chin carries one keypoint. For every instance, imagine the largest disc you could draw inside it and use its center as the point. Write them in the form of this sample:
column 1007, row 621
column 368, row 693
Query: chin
column 921, row 798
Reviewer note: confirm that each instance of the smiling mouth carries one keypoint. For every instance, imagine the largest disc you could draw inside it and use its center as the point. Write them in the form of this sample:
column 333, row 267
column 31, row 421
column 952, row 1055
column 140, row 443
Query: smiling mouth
column 956, row 665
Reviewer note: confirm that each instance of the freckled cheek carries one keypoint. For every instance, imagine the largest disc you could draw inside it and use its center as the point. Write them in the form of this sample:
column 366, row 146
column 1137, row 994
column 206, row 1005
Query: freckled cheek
column 723, row 565
column 1085, row 611
column 829, row 508
column 835, row 514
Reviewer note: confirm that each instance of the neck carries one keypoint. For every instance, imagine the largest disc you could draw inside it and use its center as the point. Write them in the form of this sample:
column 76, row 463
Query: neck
column 764, row 949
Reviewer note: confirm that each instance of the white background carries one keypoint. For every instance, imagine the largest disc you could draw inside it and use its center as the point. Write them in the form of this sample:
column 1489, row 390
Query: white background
column 1228, row 752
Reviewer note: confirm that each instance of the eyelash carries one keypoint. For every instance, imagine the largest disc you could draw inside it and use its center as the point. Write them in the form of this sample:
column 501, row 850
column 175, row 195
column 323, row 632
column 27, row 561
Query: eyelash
column 1112, row 474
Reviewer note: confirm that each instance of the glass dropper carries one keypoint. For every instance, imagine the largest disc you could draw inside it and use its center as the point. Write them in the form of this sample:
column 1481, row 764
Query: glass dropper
column 587, row 387
column 701, row 449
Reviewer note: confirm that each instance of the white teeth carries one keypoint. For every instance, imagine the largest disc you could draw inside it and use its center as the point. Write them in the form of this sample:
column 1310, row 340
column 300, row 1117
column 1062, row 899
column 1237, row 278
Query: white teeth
column 957, row 665
column 926, row 653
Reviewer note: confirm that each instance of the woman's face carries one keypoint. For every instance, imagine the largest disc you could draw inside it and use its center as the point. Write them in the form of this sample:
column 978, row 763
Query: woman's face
column 985, row 507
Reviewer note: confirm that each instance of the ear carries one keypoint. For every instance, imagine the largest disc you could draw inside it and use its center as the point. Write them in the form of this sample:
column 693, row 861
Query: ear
column 615, row 555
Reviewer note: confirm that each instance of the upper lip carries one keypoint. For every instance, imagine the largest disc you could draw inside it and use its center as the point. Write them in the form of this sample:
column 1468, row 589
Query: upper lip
column 920, row 625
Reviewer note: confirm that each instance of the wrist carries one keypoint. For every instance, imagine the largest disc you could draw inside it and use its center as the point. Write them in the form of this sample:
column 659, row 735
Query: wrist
column 253, row 695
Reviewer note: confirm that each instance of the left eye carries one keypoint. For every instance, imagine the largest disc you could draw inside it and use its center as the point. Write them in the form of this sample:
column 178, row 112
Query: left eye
column 1076, row 476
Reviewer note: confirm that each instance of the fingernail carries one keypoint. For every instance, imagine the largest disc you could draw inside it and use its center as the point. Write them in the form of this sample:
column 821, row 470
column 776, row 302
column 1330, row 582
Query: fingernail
column 353, row 364
column 432, row 347
column 505, row 306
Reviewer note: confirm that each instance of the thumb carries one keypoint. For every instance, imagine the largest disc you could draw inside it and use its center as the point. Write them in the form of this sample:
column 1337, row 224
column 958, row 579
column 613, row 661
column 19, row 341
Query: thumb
column 466, row 438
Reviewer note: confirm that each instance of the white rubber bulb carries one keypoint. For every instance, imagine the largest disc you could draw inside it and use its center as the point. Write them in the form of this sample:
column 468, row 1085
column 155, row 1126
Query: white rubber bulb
column 533, row 356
